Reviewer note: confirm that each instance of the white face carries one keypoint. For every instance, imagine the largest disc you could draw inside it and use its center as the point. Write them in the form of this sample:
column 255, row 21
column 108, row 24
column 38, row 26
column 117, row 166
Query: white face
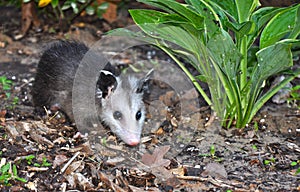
column 124, row 112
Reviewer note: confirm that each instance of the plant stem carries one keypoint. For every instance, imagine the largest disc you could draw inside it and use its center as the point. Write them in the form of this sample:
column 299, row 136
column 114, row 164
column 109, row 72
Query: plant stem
column 267, row 96
column 190, row 76
column 243, row 69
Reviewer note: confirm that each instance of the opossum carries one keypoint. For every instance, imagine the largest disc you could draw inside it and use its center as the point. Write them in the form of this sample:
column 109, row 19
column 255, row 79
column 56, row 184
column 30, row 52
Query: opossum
column 121, row 99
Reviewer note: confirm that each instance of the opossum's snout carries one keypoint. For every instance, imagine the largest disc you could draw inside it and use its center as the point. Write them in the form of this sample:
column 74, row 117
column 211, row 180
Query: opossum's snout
column 133, row 142
column 131, row 139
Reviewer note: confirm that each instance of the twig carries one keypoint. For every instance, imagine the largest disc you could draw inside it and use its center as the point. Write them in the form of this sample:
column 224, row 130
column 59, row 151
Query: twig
column 69, row 162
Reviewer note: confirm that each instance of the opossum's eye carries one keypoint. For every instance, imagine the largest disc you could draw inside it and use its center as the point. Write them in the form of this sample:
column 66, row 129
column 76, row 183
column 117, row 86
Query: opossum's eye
column 138, row 115
column 117, row 115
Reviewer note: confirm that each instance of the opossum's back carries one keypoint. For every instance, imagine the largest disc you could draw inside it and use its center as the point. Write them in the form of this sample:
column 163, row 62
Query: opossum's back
column 56, row 71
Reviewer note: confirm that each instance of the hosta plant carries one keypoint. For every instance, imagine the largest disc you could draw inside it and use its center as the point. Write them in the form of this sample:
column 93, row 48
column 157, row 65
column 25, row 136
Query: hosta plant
column 217, row 38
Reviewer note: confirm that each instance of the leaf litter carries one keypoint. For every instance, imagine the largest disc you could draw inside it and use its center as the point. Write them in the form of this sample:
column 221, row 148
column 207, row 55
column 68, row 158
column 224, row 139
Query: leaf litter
column 257, row 158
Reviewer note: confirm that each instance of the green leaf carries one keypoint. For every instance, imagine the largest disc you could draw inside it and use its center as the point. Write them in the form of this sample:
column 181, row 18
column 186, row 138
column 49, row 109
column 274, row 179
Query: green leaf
column 102, row 9
column 297, row 171
column 267, row 162
column 242, row 29
column 228, row 6
column 90, row 10
column 294, row 163
column 4, row 169
column 296, row 30
column 273, row 59
column 180, row 9
column 66, row 5
column 263, row 15
column 225, row 53
column 260, row 18
column 279, row 26
column 245, row 9
column 21, row 179
column 141, row 17
column 214, row 16
column 74, row 7
column 172, row 18
column 149, row 22
column 212, row 150
column 14, row 170
column 103, row 6
column 54, row 3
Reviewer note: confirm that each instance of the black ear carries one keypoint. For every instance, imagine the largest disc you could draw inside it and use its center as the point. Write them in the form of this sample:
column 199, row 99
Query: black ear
column 143, row 84
column 107, row 83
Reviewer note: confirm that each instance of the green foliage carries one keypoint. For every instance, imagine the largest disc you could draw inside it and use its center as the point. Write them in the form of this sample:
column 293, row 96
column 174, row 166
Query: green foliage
column 59, row 8
column 269, row 161
column 30, row 158
column 9, row 172
column 216, row 38
column 294, row 98
column 10, row 3
column 45, row 163
column 5, row 83
column 90, row 6
column 295, row 163
column 212, row 151
column 6, row 86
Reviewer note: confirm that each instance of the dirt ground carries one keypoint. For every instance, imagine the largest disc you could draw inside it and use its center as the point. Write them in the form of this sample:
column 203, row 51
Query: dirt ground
column 179, row 153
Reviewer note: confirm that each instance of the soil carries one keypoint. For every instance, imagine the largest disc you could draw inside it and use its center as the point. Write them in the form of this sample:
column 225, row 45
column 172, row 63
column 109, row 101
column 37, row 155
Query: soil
column 196, row 155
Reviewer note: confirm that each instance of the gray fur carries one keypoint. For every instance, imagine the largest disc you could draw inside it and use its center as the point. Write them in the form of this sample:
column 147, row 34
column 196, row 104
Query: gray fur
column 53, row 88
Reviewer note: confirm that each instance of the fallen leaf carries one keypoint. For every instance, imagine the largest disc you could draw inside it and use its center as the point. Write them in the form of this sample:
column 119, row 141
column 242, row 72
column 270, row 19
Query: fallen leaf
column 59, row 160
column 31, row 186
column 29, row 16
column 2, row 115
column 82, row 181
column 215, row 170
column 74, row 167
column 104, row 178
column 156, row 159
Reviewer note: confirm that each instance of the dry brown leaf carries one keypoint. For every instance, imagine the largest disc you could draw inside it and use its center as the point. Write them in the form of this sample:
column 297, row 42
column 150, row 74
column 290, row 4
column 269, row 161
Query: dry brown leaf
column 29, row 16
column 2, row 115
column 111, row 13
column 59, row 160
column 40, row 139
column 215, row 170
column 82, row 181
column 104, row 178
column 179, row 171
column 73, row 167
column 31, row 186
column 156, row 159
column 114, row 161
column 60, row 140
column 12, row 131
column 86, row 149
column 138, row 189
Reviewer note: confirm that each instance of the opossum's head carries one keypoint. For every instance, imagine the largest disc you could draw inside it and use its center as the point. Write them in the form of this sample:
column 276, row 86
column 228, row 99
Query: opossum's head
column 123, row 109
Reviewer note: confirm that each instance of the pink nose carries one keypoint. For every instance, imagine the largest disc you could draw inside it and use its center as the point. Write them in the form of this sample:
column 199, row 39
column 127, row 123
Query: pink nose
column 133, row 142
